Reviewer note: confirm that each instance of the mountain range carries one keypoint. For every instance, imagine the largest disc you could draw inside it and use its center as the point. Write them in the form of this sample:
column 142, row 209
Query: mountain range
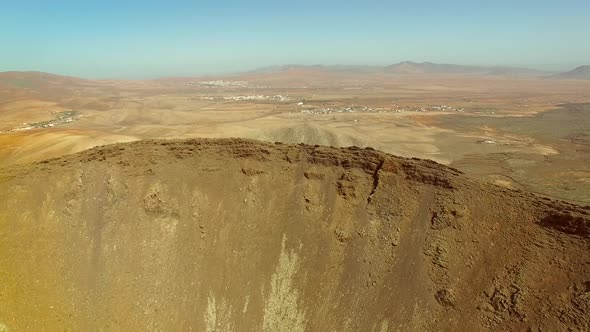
column 34, row 79
column 409, row 68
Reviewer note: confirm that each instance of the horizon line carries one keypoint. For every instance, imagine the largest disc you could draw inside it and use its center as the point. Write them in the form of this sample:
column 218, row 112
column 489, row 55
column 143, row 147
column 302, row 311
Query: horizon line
column 287, row 65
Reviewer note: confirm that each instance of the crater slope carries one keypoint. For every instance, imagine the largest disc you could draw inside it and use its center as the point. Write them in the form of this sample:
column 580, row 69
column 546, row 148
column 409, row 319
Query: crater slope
column 240, row 235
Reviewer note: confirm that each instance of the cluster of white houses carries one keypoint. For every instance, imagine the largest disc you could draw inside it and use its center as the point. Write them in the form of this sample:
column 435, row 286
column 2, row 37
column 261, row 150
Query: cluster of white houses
column 280, row 98
column 226, row 84
column 394, row 109
column 60, row 119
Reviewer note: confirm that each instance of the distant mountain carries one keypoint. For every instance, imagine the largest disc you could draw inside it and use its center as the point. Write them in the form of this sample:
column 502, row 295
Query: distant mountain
column 410, row 67
column 323, row 68
column 580, row 73
column 407, row 67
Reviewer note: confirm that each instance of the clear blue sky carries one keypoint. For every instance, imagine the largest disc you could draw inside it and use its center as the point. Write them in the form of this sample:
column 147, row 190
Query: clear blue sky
column 117, row 38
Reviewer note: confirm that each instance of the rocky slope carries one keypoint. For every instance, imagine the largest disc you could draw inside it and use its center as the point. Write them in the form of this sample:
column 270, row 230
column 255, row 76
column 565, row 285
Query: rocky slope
column 238, row 235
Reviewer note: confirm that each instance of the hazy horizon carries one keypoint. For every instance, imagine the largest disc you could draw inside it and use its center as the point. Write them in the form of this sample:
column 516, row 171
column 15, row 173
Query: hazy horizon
column 541, row 69
column 148, row 39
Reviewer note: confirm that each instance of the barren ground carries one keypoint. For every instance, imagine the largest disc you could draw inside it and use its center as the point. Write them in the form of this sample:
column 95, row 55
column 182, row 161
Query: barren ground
column 124, row 206
column 239, row 235
column 537, row 129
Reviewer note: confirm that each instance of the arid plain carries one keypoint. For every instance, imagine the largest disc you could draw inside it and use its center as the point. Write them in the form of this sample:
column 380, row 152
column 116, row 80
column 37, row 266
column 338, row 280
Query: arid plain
column 519, row 131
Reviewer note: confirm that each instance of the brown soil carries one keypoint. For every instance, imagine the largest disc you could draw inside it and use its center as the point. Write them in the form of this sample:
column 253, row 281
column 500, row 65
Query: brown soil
column 230, row 234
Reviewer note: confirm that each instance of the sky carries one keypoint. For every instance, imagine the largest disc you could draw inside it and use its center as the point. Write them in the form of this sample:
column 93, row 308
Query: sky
column 146, row 39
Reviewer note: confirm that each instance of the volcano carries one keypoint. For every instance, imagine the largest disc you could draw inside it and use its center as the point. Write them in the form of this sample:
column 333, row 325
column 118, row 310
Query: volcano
column 240, row 235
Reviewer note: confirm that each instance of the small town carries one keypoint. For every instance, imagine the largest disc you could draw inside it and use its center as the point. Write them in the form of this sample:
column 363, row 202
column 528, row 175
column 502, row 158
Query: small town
column 61, row 118
column 394, row 109
column 226, row 84
column 279, row 98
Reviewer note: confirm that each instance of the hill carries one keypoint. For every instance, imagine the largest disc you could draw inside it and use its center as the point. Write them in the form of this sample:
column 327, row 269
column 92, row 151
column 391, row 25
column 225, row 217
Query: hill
column 17, row 85
column 50, row 84
column 36, row 80
column 239, row 235
column 409, row 67
column 579, row 73
column 406, row 67
column 323, row 68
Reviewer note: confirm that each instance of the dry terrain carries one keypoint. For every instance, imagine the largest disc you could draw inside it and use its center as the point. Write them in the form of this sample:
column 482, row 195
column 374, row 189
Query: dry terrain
column 421, row 197
column 516, row 131
column 240, row 235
